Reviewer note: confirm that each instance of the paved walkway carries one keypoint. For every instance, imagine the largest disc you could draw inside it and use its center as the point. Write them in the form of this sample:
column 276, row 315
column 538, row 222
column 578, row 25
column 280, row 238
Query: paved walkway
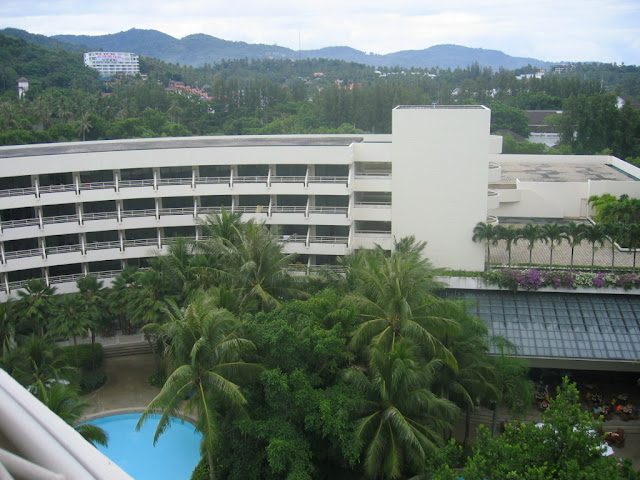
column 126, row 388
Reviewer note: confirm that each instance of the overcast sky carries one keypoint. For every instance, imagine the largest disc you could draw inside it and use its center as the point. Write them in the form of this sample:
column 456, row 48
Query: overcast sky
column 552, row 30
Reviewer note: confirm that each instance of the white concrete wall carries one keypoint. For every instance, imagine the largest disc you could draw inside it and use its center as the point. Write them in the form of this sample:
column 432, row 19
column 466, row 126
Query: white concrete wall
column 544, row 199
column 440, row 177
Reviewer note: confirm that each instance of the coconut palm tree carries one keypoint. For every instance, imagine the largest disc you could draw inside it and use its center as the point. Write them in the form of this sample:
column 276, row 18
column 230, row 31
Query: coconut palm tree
column 393, row 294
column 594, row 234
column 64, row 401
column 203, row 352
column 486, row 232
column 474, row 376
column 84, row 126
column 552, row 233
column 402, row 419
column 532, row 233
column 632, row 233
column 573, row 233
column 510, row 235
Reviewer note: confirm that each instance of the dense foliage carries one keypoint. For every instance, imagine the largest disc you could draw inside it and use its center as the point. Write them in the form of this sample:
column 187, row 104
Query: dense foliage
column 66, row 103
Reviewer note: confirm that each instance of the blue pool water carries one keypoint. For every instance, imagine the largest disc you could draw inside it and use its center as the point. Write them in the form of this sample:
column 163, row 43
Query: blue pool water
column 173, row 458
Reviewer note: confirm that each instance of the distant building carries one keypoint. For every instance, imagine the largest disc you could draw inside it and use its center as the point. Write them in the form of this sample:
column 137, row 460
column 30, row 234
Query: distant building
column 560, row 68
column 112, row 63
column 23, row 86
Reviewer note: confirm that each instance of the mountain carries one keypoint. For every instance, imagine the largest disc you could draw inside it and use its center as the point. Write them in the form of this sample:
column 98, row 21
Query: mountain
column 199, row 49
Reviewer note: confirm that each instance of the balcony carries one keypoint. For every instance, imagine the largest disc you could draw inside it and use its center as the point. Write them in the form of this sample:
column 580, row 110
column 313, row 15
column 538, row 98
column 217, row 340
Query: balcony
column 493, row 200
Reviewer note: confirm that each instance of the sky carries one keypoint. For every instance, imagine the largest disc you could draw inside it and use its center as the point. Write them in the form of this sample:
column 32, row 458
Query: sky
column 551, row 30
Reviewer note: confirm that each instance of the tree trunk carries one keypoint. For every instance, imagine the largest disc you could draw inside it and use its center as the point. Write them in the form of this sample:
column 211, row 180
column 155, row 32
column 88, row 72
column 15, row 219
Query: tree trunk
column 572, row 257
column 494, row 422
column 212, row 470
column 467, row 426
column 75, row 349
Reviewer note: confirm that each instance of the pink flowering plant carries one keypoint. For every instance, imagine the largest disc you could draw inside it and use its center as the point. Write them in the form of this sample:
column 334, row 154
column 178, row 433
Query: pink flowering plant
column 533, row 279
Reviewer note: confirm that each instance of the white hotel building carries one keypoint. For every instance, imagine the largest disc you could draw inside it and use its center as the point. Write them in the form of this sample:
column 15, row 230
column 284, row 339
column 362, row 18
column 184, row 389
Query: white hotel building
column 112, row 63
column 72, row 209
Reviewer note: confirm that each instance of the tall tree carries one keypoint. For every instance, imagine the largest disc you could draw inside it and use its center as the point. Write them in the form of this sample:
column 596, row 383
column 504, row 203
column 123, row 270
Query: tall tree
column 393, row 294
column 573, row 233
column 36, row 304
column 203, row 351
column 594, row 234
column 553, row 233
column 486, row 232
column 510, row 235
column 532, row 233
column 402, row 419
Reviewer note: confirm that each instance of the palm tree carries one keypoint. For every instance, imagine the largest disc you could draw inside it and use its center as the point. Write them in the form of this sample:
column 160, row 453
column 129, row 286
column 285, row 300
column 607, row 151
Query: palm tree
column 203, row 356
column 573, row 233
column 474, row 376
column 553, row 233
column 486, row 232
column 38, row 362
column 393, row 296
column 64, row 401
column 84, row 125
column 36, row 304
column 511, row 385
column 531, row 233
column 510, row 235
column 632, row 233
column 122, row 290
column 7, row 325
column 594, row 234
column 612, row 231
column 71, row 319
column 402, row 418
column 148, row 301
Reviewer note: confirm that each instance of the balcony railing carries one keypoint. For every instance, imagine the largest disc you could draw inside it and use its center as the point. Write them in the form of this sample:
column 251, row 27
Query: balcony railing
column 15, row 192
column 329, row 239
column 23, row 222
column 212, row 180
column 31, row 252
column 142, row 242
column 372, row 204
column 60, row 219
column 97, row 185
column 174, row 181
column 287, row 179
column 177, row 211
column 324, row 179
column 378, row 233
column 99, row 216
column 288, row 209
column 102, row 245
column 151, row 212
column 147, row 182
column 329, row 210
column 63, row 249
column 70, row 187
column 251, row 179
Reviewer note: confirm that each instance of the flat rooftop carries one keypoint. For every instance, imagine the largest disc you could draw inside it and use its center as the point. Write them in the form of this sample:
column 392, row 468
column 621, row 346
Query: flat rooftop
column 178, row 142
column 560, row 172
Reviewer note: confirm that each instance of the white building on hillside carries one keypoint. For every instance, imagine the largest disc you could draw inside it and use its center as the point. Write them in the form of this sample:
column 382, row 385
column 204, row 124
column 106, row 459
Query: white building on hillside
column 112, row 63
column 70, row 209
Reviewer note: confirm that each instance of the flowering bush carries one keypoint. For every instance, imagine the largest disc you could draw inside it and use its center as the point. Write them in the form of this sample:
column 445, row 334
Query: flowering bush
column 533, row 279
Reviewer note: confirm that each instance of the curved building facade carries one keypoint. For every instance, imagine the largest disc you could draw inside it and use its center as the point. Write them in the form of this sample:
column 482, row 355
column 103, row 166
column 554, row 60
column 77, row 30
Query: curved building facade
column 68, row 210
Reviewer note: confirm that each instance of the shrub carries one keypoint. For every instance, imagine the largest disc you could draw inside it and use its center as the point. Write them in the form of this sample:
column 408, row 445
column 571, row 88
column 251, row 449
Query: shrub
column 533, row 280
column 91, row 380
column 157, row 379
column 89, row 358
column 201, row 472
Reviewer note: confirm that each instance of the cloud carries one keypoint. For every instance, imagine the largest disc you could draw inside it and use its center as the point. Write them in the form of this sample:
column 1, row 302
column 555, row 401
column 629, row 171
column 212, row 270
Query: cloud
column 604, row 30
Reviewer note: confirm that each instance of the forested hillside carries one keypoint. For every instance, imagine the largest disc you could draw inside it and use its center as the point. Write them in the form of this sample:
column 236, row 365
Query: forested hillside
column 67, row 102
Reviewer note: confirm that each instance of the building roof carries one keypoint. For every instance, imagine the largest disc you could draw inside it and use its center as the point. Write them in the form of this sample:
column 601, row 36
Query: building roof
column 562, row 326
column 559, row 172
column 177, row 142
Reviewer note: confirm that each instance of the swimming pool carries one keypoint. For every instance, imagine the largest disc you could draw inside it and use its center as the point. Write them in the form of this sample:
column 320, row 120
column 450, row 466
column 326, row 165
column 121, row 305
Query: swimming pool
column 173, row 458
